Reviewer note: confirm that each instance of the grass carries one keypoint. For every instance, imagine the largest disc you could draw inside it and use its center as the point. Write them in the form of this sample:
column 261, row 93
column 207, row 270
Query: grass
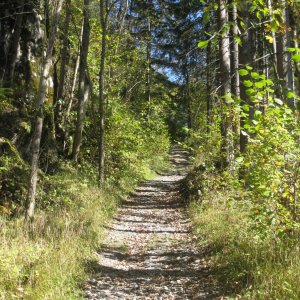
column 46, row 260
column 49, row 259
column 244, row 263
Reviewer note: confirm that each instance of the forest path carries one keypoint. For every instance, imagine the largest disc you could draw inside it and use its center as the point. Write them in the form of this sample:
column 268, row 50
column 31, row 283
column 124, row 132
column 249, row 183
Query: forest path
column 150, row 252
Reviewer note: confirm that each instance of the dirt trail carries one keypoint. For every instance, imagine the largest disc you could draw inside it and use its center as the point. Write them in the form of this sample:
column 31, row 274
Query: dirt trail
column 150, row 252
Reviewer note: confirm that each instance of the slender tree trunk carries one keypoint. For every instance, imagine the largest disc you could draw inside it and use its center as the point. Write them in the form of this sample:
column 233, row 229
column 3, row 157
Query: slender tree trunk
column 13, row 55
column 265, row 67
column 270, row 7
column 235, row 54
column 297, row 64
column 245, row 58
column 284, row 61
column 235, row 76
column 187, row 95
column 103, row 19
column 64, row 53
column 71, row 96
column 208, row 86
column 225, row 72
column 83, row 89
column 148, row 81
column 36, row 139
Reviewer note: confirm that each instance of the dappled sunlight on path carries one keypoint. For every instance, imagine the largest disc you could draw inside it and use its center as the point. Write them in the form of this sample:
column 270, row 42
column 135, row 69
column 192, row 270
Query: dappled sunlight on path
column 150, row 252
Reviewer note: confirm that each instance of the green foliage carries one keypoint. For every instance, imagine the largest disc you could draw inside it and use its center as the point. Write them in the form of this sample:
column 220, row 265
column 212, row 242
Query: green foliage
column 13, row 183
column 203, row 44
column 271, row 162
column 133, row 144
column 250, row 223
column 46, row 260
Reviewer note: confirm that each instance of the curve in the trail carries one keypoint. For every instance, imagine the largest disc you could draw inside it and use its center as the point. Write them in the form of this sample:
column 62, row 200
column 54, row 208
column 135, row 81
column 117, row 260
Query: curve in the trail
column 150, row 252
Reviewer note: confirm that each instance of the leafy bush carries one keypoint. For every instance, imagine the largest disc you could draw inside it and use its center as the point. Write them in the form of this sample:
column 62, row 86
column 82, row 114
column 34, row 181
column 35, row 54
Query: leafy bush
column 134, row 145
column 271, row 163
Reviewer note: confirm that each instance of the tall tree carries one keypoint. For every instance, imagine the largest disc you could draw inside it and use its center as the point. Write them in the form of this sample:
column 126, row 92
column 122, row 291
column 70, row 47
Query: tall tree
column 245, row 59
column 84, row 82
column 225, row 75
column 13, row 53
column 104, row 11
column 284, row 61
column 38, row 126
column 235, row 83
column 64, row 51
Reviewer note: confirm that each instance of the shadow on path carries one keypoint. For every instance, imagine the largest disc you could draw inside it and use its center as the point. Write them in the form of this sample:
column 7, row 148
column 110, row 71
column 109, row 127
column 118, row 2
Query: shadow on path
column 150, row 252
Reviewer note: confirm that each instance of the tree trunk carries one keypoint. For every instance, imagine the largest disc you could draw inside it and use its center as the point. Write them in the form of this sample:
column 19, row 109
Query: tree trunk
column 103, row 19
column 225, row 72
column 148, row 81
column 284, row 61
column 208, row 86
column 270, row 7
column 84, row 85
column 71, row 96
column 245, row 58
column 36, row 139
column 13, row 55
column 64, row 53
column 235, row 81
column 235, row 89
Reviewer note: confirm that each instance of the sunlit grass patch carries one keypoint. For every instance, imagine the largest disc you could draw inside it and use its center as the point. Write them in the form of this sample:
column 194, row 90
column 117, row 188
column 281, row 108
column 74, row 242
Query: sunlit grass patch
column 245, row 263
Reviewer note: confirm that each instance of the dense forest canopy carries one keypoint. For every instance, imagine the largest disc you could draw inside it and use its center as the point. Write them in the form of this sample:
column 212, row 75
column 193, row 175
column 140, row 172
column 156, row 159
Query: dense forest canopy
column 104, row 87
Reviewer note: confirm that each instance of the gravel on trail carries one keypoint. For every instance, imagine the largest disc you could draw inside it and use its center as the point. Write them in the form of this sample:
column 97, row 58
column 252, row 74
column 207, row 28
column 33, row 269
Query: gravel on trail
column 150, row 251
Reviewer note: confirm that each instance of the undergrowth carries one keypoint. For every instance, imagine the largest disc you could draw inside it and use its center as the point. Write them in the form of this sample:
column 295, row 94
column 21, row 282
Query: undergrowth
column 49, row 259
column 248, row 263
column 244, row 263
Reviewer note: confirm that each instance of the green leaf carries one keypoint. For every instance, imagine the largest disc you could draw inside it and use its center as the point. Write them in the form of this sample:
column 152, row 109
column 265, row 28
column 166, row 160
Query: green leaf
column 238, row 40
column 258, row 15
column 243, row 72
column 266, row 11
column 260, row 84
column 255, row 75
column 246, row 107
column 270, row 90
column 203, row 44
column 290, row 94
column 296, row 58
column 206, row 17
column 269, row 82
column 248, row 83
column 257, row 113
column 274, row 25
column 242, row 24
column 250, row 92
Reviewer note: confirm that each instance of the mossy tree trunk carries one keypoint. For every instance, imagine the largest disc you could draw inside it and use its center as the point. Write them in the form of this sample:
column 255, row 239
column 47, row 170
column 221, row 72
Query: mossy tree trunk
column 38, row 126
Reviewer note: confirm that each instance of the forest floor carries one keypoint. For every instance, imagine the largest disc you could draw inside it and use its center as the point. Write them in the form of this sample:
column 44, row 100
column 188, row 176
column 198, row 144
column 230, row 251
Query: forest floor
column 150, row 251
